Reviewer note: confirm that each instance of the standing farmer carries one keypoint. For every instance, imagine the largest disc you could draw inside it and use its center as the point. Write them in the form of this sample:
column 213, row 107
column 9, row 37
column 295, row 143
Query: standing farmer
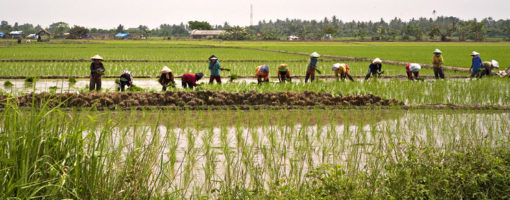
column 413, row 69
column 166, row 79
column 283, row 73
column 476, row 66
column 214, row 67
column 342, row 69
column 262, row 72
column 312, row 66
column 96, row 71
column 190, row 80
column 374, row 68
column 437, row 63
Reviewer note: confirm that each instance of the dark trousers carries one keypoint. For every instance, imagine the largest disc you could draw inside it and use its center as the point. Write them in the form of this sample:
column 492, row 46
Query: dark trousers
column 487, row 72
column 283, row 76
column 371, row 72
column 95, row 83
column 123, row 85
column 217, row 78
column 438, row 72
column 186, row 84
column 310, row 74
column 478, row 73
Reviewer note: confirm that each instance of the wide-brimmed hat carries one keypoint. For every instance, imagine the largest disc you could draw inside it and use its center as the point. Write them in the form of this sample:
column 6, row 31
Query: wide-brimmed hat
column 199, row 75
column 474, row 53
column 336, row 66
column 315, row 55
column 415, row 67
column 283, row 65
column 437, row 51
column 166, row 70
column 213, row 57
column 495, row 64
column 96, row 57
column 377, row 60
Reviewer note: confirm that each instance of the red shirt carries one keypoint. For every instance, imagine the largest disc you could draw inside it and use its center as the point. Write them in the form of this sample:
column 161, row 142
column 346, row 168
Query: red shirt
column 190, row 78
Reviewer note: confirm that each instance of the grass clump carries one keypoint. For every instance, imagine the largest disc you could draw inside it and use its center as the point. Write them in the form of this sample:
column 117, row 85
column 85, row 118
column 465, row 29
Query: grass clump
column 30, row 79
column 8, row 84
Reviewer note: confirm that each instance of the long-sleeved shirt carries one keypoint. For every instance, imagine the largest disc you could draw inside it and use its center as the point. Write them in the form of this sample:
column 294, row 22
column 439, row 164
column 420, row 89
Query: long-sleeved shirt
column 477, row 63
column 94, row 67
column 166, row 78
column 126, row 77
column 215, row 68
column 190, row 78
column 375, row 67
column 312, row 63
column 437, row 61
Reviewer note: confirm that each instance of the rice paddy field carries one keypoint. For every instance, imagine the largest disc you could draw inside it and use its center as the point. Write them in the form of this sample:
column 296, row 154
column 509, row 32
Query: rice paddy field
column 240, row 140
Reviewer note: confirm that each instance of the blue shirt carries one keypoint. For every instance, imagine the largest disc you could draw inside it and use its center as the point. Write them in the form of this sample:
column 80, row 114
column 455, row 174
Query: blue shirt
column 215, row 68
column 477, row 63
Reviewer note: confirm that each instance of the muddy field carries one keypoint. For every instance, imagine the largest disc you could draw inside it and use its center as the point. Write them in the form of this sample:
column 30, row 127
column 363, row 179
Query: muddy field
column 199, row 99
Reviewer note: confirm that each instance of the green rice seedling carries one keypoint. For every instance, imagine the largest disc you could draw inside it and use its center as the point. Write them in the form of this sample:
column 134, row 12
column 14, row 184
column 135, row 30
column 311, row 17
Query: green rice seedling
column 30, row 79
column 72, row 80
column 8, row 84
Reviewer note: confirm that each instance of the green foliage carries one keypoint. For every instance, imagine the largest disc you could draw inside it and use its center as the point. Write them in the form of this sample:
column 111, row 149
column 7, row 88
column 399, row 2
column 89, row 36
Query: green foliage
column 199, row 25
column 78, row 32
column 72, row 80
column 30, row 79
column 236, row 33
column 8, row 84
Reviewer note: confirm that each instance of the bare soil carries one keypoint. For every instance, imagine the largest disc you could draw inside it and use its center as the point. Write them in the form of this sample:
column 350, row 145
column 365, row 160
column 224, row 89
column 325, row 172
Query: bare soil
column 199, row 99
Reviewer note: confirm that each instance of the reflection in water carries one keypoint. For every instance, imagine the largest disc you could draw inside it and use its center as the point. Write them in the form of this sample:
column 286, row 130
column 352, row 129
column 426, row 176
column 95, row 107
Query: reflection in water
column 205, row 148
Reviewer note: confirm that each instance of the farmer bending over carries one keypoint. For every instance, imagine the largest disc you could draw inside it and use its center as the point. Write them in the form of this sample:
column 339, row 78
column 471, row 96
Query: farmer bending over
column 283, row 73
column 374, row 68
column 413, row 69
column 312, row 66
column 262, row 72
column 166, row 79
column 437, row 63
column 488, row 66
column 96, row 71
column 190, row 80
column 342, row 69
column 476, row 65
column 125, row 79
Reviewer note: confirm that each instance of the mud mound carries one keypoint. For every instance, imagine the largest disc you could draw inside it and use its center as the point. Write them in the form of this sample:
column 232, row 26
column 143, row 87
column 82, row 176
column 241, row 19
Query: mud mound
column 198, row 98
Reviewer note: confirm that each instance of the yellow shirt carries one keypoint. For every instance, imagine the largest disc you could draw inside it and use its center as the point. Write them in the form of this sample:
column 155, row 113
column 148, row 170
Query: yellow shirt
column 437, row 61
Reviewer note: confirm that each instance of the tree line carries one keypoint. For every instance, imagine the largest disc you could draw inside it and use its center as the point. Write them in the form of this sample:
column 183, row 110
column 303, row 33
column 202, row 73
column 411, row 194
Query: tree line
column 441, row 28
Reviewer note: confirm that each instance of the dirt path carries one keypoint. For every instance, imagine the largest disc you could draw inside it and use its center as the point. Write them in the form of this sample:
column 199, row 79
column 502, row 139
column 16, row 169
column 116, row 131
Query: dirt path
column 203, row 100
column 239, row 77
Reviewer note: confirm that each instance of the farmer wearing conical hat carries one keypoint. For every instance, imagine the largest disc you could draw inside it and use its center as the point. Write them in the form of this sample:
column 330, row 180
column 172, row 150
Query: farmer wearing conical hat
column 283, row 73
column 166, row 79
column 126, row 79
column 437, row 64
column 488, row 66
column 476, row 65
column 96, row 71
column 374, row 68
column 190, row 80
column 343, row 70
column 312, row 66
column 413, row 69
column 214, row 67
column 262, row 73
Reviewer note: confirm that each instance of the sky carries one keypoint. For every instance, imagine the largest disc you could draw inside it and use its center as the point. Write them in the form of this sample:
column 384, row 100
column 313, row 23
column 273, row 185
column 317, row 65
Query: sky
column 110, row 13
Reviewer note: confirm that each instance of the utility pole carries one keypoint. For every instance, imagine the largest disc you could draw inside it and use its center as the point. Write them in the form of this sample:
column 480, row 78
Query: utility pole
column 251, row 14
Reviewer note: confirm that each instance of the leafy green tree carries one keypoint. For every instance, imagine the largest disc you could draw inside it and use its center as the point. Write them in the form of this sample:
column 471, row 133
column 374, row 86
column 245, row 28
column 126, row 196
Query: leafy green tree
column 78, row 32
column 236, row 33
column 197, row 25
column 507, row 31
column 59, row 28
column 120, row 28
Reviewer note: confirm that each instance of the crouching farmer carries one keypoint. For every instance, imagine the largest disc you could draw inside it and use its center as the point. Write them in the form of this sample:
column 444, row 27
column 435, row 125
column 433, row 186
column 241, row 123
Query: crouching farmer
column 283, row 73
column 262, row 73
column 312, row 66
column 166, row 79
column 488, row 66
column 413, row 69
column 374, row 69
column 190, row 80
column 126, row 79
column 96, row 71
column 342, row 70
